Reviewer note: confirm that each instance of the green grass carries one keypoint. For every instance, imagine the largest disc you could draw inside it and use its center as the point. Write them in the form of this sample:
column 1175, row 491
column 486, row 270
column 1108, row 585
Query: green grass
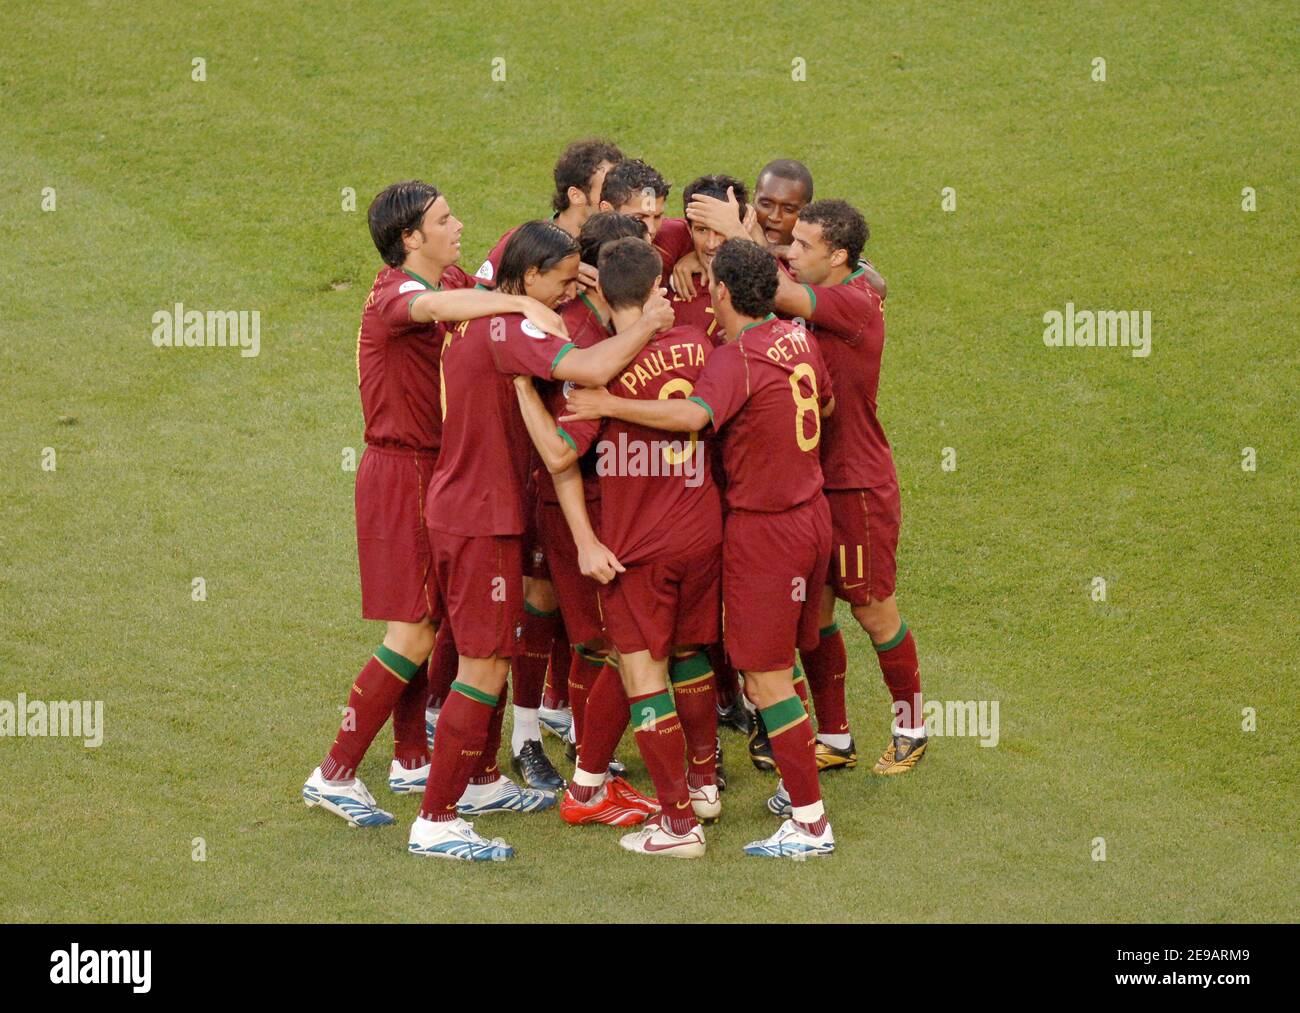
column 1120, row 719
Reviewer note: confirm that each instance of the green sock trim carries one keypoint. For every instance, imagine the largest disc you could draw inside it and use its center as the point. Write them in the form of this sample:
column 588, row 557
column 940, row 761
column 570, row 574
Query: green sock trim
column 532, row 610
column 691, row 667
column 781, row 715
column 797, row 677
column 403, row 668
column 893, row 642
column 465, row 689
column 645, row 713
column 826, row 631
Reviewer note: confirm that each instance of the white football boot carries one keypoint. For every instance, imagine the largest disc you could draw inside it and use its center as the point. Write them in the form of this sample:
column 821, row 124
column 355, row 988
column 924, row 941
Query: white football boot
column 707, row 803
column 503, row 796
column 407, row 782
column 779, row 804
column 791, row 841
column 654, row 839
column 557, row 721
column 457, row 840
column 351, row 801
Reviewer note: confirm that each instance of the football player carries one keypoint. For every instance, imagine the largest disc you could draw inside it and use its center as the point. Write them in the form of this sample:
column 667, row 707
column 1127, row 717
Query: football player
column 764, row 393
column 476, row 510
column 398, row 344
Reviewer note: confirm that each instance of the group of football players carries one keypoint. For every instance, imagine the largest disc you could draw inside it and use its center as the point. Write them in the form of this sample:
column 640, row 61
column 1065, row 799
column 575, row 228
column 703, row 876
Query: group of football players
column 628, row 467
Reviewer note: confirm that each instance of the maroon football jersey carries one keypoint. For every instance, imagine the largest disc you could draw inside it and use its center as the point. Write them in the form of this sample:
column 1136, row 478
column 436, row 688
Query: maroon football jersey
column 697, row 312
column 585, row 329
column 478, row 487
column 849, row 324
column 486, row 275
column 657, row 496
column 397, row 361
column 764, row 392
column 673, row 241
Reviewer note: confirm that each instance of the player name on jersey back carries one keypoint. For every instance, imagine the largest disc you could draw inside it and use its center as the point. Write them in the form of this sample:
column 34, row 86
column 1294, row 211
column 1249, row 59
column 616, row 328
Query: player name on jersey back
column 658, row 498
column 764, row 392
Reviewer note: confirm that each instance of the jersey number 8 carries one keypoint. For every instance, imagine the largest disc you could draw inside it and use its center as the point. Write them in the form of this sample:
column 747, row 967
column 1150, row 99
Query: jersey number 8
column 802, row 404
column 684, row 388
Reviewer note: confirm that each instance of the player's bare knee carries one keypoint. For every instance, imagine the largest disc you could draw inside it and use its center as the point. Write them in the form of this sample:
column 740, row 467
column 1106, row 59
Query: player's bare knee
column 767, row 688
column 880, row 618
column 826, row 615
column 486, row 674
column 540, row 594
column 413, row 641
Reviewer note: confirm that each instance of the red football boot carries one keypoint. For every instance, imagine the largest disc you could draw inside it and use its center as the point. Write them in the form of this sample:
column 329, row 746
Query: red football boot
column 623, row 792
column 606, row 807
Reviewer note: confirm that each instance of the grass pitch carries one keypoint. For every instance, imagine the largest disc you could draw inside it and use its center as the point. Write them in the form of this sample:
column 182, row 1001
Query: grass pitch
column 1120, row 719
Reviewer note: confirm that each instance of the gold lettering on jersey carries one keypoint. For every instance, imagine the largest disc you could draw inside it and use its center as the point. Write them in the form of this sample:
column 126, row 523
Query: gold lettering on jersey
column 660, row 361
column 787, row 346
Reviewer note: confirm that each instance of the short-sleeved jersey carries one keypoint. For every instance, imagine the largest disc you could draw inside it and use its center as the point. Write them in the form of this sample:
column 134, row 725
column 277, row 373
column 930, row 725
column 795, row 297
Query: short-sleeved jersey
column 397, row 361
column 764, row 392
column 849, row 325
column 585, row 329
column 657, row 495
column 486, row 275
column 478, row 487
column 673, row 241
column 697, row 312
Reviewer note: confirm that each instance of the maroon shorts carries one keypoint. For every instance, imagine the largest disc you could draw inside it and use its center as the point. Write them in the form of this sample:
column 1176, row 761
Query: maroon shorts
column 657, row 605
column 576, row 594
column 481, row 582
column 397, row 582
column 536, row 564
column 864, row 539
column 773, row 569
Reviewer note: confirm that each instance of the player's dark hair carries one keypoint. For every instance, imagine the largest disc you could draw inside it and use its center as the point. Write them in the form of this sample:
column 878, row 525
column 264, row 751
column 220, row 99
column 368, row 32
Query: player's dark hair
column 576, row 165
column 629, row 270
column 604, row 227
column 788, row 168
column 630, row 178
column 540, row 244
column 395, row 211
column 843, row 227
column 716, row 186
column 749, row 272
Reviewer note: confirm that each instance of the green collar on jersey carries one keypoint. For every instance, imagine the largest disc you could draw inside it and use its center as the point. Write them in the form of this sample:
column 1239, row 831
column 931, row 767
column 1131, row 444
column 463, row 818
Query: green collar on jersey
column 595, row 312
column 412, row 274
column 853, row 275
column 770, row 316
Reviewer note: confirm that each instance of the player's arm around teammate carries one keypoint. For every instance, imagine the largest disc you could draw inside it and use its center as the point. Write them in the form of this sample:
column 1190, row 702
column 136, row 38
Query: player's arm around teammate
column 844, row 310
column 767, row 373
column 561, row 460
